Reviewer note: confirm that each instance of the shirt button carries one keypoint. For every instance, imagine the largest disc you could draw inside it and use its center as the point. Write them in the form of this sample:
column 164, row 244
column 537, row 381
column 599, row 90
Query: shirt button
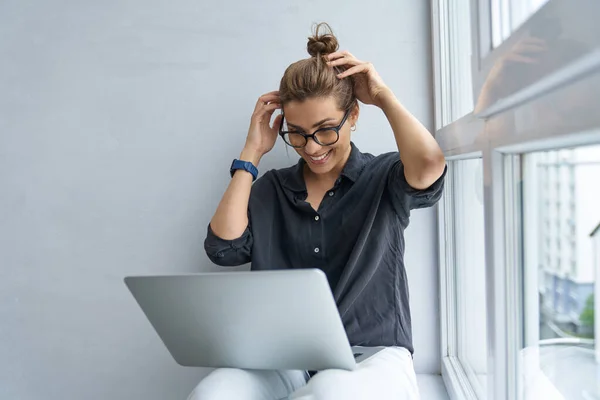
column 330, row 194
column 316, row 250
column 316, row 218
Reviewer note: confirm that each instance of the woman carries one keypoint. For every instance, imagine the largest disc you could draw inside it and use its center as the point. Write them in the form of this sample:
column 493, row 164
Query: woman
column 339, row 210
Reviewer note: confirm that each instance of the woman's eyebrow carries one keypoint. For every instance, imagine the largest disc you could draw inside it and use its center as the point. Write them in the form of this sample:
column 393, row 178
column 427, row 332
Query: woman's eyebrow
column 321, row 122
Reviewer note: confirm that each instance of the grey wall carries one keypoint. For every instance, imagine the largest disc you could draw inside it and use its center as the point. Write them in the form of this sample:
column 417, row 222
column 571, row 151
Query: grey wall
column 118, row 122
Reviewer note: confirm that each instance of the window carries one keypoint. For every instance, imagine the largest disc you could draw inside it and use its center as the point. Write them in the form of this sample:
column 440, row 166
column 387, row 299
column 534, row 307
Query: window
column 509, row 15
column 560, row 346
column 452, row 61
column 470, row 271
column 463, row 299
column 529, row 114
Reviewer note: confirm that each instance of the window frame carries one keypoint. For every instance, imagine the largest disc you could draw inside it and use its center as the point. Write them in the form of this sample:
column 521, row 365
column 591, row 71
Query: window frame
column 501, row 134
column 448, row 35
column 455, row 373
column 485, row 56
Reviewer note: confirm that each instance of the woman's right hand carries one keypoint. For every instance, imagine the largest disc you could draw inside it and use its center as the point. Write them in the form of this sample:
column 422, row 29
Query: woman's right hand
column 261, row 135
column 231, row 218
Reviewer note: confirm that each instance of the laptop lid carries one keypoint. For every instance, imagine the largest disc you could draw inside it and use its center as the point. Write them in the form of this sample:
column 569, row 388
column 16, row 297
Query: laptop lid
column 284, row 319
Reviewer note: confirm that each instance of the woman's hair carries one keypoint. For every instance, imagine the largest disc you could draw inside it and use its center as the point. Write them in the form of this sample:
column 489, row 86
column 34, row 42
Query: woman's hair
column 312, row 77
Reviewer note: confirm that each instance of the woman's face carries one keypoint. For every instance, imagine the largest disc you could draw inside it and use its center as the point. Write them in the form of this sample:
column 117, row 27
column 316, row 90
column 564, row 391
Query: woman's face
column 312, row 114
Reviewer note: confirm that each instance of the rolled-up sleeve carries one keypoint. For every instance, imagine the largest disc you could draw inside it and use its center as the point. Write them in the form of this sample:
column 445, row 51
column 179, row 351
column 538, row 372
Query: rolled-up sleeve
column 405, row 197
column 229, row 253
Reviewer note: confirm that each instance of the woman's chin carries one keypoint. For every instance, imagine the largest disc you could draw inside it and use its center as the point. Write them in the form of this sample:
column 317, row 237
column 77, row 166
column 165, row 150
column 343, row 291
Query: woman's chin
column 320, row 169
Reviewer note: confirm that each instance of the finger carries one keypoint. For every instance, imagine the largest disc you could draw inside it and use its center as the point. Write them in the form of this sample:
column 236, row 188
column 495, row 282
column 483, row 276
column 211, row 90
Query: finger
column 534, row 39
column 270, row 108
column 274, row 92
column 361, row 68
column 530, row 47
column 340, row 54
column 267, row 111
column 521, row 59
column 266, row 99
column 277, row 123
column 344, row 61
column 269, row 98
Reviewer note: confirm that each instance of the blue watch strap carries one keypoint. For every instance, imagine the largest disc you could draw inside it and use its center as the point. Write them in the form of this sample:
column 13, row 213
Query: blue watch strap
column 246, row 166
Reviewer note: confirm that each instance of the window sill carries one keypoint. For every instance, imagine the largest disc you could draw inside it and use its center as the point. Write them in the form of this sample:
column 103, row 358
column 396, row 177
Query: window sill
column 431, row 387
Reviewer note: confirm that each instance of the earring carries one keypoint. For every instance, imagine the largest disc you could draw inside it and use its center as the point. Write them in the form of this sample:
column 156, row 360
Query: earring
column 353, row 128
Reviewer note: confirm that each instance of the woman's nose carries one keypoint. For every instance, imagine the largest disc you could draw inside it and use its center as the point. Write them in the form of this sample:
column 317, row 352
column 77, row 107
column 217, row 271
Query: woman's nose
column 312, row 147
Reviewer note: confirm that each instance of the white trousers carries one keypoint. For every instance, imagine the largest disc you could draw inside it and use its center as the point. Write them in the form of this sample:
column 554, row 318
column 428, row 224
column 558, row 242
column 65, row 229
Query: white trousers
column 388, row 374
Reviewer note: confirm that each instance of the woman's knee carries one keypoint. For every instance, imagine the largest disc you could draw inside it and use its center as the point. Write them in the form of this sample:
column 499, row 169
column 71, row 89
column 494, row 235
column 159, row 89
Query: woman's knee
column 229, row 383
column 222, row 383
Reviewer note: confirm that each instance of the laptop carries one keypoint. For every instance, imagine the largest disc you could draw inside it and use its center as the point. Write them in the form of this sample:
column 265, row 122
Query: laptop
column 276, row 320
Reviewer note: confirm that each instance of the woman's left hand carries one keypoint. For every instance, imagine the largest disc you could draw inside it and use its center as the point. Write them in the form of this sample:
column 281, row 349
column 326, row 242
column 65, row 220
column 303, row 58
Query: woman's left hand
column 369, row 88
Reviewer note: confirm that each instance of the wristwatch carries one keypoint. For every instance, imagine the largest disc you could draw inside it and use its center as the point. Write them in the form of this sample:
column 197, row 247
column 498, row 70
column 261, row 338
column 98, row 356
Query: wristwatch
column 246, row 166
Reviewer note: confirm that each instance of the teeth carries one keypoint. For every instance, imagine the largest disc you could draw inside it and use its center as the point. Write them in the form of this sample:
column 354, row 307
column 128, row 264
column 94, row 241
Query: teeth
column 320, row 157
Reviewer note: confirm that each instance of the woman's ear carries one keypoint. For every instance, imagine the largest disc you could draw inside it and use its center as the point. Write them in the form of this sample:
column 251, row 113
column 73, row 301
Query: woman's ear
column 354, row 114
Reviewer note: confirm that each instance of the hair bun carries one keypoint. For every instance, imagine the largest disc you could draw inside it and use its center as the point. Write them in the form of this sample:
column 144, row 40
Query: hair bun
column 322, row 43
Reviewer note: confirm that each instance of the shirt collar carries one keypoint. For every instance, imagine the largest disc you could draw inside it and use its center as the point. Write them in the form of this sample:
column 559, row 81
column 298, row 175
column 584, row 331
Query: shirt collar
column 294, row 179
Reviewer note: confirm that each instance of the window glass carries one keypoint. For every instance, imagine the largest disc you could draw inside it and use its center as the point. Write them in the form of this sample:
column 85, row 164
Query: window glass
column 509, row 15
column 455, row 96
column 561, row 214
column 470, row 271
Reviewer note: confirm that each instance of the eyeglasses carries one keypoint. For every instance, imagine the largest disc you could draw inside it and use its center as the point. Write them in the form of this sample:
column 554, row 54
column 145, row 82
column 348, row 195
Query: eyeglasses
column 323, row 136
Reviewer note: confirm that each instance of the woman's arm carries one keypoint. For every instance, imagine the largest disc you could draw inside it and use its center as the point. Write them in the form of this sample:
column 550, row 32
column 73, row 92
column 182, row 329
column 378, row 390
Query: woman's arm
column 231, row 218
column 423, row 159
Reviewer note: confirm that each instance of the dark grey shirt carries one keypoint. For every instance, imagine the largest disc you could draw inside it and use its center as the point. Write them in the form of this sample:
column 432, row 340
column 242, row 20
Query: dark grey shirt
column 356, row 237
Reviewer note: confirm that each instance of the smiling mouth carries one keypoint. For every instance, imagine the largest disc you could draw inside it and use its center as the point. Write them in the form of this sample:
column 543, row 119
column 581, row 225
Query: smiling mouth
column 321, row 157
